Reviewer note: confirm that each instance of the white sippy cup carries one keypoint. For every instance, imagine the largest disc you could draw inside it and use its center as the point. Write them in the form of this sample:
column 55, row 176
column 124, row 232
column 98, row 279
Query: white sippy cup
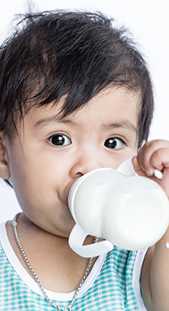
column 119, row 207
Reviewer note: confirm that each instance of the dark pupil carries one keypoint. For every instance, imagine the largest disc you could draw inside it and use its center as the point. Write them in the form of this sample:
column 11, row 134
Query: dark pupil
column 57, row 140
column 110, row 143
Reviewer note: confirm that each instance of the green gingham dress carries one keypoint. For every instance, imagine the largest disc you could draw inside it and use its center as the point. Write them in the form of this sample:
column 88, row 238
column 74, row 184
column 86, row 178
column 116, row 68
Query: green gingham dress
column 112, row 285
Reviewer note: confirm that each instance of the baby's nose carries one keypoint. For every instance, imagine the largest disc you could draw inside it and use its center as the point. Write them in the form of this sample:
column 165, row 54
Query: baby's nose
column 84, row 165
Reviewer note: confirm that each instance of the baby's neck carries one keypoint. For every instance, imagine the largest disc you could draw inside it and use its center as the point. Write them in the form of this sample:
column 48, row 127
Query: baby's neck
column 57, row 266
column 29, row 229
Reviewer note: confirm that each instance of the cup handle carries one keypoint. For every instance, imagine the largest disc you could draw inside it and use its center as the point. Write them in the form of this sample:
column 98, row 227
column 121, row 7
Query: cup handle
column 76, row 239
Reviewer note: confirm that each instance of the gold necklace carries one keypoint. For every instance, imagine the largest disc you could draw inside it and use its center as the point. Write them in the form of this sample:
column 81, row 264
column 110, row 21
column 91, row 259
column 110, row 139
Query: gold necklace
column 36, row 277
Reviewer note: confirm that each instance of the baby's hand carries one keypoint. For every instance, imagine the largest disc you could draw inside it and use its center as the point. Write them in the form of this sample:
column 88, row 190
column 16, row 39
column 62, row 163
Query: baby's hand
column 152, row 156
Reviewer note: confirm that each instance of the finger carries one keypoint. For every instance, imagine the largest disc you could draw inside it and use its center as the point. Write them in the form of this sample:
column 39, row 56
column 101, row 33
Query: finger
column 145, row 153
column 160, row 159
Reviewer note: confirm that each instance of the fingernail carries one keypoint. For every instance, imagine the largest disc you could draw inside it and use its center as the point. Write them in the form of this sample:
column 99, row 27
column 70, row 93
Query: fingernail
column 158, row 174
column 167, row 245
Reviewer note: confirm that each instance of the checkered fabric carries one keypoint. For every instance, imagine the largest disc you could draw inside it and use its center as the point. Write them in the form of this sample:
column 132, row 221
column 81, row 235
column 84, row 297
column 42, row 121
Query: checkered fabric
column 111, row 291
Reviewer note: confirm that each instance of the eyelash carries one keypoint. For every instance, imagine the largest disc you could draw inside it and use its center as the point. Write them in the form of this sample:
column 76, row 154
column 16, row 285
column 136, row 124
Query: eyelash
column 57, row 135
column 113, row 138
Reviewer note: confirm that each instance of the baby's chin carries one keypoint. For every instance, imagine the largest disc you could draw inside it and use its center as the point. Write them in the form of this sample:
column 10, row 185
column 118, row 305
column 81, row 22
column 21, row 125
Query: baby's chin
column 66, row 226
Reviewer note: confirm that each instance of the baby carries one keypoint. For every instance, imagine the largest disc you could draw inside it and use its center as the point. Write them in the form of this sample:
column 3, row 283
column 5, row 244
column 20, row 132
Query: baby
column 76, row 95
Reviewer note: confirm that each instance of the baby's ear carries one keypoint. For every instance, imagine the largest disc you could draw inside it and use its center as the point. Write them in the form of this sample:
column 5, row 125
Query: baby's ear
column 4, row 168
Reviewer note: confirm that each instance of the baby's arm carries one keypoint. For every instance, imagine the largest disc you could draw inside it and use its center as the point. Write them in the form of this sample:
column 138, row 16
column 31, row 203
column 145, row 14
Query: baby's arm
column 155, row 273
column 159, row 275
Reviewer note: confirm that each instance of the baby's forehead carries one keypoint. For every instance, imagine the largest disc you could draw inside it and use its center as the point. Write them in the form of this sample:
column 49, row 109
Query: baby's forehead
column 110, row 105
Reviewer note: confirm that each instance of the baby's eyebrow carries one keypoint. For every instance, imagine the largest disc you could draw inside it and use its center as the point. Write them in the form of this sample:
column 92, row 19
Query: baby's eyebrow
column 51, row 119
column 126, row 124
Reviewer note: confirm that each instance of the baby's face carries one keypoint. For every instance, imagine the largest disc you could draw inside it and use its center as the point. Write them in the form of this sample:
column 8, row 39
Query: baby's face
column 49, row 153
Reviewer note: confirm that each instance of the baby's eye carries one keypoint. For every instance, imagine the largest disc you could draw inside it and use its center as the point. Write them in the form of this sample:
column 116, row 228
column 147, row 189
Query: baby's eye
column 59, row 140
column 114, row 143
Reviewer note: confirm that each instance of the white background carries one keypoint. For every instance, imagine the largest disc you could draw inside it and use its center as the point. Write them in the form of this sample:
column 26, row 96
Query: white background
column 149, row 24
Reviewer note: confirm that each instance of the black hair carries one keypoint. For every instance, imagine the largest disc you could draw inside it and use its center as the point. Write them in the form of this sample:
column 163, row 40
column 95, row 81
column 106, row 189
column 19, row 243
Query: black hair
column 72, row 54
